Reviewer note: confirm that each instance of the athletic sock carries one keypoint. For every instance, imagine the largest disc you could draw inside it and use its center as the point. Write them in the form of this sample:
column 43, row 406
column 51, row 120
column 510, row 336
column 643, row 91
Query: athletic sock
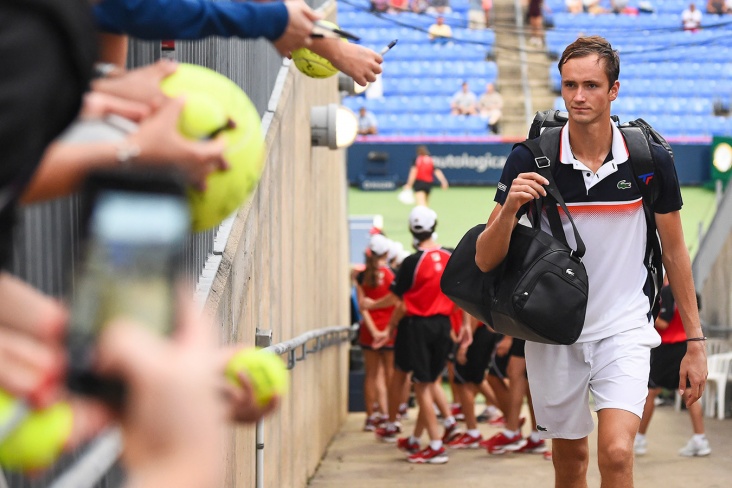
column 510, row 433
column 449, row 421
column 492, row 410
column 640, row 437
column 413, row 440
column 473, row 433
column 699, row 438
column 534, row 437
column 435, row 445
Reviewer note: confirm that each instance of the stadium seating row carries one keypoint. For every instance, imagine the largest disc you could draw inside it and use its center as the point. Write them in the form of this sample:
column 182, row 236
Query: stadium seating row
column 401, row 104
column 432, row 124
column 432, row 86
column 451, row 51
column 445, row 69
column 658, row 6
column 419, row 35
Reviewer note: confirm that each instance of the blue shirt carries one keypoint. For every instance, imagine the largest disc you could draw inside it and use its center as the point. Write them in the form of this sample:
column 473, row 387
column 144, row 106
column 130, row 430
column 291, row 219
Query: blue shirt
column 191, row 19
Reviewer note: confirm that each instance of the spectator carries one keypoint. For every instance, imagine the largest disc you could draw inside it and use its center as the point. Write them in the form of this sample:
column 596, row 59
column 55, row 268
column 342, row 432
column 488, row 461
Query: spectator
column 366, row 122
column 621, row 7
column 479, row 14
column 691, row 18
column 490, row 106
column 574, row 6
column 379, row 5
column 439, row 7
column 439, row 31
column 593, row 7
column 718, row 7
column 463, row 101
column 536, row 22
column 396, row 6
column 419, row 6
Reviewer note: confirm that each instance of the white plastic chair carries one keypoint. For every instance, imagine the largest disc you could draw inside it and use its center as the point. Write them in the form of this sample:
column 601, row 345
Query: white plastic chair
column 720, row 373
column 714, row 346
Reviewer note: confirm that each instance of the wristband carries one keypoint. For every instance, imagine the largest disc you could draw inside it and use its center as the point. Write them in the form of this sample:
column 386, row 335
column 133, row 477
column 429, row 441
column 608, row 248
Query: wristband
column 693, row 339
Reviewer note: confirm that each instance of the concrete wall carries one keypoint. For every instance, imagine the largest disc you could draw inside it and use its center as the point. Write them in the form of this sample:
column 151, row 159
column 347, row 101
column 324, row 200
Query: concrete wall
column 285, row 268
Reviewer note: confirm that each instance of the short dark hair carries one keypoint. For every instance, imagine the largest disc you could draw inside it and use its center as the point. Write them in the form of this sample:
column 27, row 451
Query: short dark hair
column 588, row 45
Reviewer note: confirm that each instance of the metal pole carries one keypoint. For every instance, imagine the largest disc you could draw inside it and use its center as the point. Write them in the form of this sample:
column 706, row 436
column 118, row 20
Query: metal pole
column 263, row 339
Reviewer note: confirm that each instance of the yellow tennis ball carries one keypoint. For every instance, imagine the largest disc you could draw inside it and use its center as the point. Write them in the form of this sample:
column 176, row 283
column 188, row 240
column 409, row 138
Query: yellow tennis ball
column 266, row 371
column 216, row 105
column 312, row 64
column 202, row 116
column 37, row 442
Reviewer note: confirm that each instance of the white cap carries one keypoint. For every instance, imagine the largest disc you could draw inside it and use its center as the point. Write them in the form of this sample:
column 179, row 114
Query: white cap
column 422, row 219
column 395, row 248
column 379, row 244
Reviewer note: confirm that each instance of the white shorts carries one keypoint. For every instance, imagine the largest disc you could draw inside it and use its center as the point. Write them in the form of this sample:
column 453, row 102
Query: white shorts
column 615, row 370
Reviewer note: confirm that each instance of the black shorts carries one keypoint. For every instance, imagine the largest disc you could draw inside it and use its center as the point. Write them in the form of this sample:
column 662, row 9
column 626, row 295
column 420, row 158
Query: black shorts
column 402, row 345
column 424, row 186
column 479, row 355
column 665, row 365
column 430, row 346
column 499, row 364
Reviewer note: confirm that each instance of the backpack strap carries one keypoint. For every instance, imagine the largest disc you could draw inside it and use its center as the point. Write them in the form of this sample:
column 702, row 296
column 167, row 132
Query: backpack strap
column 643, row 165
column 544, row 168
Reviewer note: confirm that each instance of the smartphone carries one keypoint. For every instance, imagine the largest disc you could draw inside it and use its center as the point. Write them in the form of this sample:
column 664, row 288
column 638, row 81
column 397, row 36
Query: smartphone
column 134, row 228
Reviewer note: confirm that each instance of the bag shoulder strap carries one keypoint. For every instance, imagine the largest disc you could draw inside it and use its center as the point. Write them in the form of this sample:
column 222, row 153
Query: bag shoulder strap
column 643, row 165
column 543, row 167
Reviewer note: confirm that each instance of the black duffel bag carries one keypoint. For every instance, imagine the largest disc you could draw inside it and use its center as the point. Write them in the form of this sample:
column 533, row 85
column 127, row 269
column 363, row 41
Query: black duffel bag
column 539, row 291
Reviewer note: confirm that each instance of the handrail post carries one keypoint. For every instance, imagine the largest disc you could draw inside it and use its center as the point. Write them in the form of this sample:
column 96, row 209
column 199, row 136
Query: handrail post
column 263, row 339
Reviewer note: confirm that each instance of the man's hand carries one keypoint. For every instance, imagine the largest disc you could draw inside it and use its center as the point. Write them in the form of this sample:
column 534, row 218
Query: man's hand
column 524, row 188
column 299, row 26
column 693, row 369
column 358, row 62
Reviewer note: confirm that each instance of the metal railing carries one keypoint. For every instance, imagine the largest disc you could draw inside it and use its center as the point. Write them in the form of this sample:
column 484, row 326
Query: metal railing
column 103, row 453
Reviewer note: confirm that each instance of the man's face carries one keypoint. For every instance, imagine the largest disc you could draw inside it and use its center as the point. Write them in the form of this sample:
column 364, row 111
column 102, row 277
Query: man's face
column 586, row 90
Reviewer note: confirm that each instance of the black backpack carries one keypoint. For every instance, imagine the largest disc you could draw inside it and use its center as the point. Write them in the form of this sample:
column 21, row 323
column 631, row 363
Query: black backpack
column 638, row 136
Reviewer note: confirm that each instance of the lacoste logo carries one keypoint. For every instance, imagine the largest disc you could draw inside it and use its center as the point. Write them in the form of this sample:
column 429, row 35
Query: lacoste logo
column 646, row 178
column 541, row 428
column 569, row 271
column 501, row 187
column 623, row 185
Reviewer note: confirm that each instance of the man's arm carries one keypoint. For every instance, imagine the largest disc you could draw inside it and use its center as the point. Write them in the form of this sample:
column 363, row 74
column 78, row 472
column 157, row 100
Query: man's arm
column 678, row 266
column 191, row 19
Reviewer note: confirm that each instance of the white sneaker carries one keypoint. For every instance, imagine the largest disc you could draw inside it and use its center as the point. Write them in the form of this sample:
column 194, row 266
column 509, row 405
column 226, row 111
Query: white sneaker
column 694, row 448
column 640, row 446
